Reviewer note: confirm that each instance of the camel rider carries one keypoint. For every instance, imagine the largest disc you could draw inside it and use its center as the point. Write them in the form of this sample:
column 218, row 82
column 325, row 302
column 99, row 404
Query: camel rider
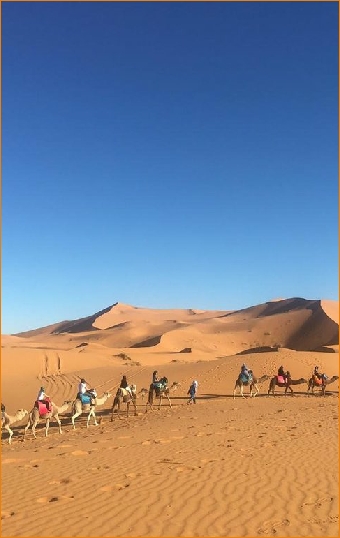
column 281, row 373
column 124, row 385
column 42, row 397
column 155, row 377
column 317, row 374
column 83, row 390
column 245, row 372
column 3, row 411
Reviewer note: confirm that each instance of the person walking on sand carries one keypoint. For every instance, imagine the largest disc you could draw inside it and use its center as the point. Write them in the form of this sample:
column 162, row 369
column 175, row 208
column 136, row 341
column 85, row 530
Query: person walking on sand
column 192, row 392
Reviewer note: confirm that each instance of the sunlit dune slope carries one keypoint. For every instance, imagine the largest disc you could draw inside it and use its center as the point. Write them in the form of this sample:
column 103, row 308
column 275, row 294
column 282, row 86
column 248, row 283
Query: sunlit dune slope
column 294, row 323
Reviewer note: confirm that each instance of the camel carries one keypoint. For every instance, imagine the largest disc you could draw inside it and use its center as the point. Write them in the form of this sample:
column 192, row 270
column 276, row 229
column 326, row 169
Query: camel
column 274, row 382
column 8, row 420
column 78, row 408
column 160, row 392
column 253, row 383
column 143, row 392
column 127, row 397
column 34, row 417
column 312, row 383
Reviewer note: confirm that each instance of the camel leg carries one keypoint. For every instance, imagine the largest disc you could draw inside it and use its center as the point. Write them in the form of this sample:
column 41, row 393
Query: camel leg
column 91, row 414
column 256, row 391
column 74, row 417
column 234, row 393
column 34, row 425
column 27, row 427
column 47, row 426
column 169, row 401
column 135, row 406
column 10, row 434
column 127, row 409
column 59, row 423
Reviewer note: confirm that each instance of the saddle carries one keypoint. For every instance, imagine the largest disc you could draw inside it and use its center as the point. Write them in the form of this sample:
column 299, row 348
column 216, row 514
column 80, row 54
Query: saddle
column 86, row 399
column 281, row 379
column 42, row 406
column 317, row 380
column 245, row 378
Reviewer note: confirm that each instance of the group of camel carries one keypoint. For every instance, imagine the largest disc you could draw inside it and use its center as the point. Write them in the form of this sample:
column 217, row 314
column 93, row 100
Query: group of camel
column 129, row 396
column 253, row 382
column 123, row 395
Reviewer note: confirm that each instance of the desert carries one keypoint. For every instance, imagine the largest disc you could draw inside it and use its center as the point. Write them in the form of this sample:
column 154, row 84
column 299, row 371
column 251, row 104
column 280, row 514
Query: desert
column 225, row 466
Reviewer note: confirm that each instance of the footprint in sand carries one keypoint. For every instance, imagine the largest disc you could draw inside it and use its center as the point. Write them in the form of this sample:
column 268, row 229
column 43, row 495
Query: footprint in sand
column 117, row 487
column 271, row 527
column 6, row 513
column 187, row 469
column 79, row 453
column 43, row 500
column 63, row 481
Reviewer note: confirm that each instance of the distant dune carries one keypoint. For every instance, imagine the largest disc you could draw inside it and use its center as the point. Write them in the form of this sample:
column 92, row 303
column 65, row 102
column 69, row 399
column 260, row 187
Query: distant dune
column 294, row 323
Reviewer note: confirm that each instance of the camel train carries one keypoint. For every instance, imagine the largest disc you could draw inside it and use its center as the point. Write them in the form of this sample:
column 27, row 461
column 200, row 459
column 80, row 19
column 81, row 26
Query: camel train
column 87, row 400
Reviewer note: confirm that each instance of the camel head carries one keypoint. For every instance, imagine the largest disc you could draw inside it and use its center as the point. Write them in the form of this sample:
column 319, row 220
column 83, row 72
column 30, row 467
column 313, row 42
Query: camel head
column 22, row 413
column 107, row 394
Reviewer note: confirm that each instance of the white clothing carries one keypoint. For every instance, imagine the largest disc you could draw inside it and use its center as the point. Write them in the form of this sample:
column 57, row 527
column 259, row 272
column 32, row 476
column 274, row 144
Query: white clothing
column 195, row 384
column 82, row 388
column 41, row 395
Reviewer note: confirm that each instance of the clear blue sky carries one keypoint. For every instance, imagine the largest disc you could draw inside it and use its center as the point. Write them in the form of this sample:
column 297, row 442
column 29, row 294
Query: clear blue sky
column 167, row 155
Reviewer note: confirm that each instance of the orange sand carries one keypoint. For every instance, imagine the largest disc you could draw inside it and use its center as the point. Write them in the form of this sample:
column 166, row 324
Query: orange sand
column 223, row 467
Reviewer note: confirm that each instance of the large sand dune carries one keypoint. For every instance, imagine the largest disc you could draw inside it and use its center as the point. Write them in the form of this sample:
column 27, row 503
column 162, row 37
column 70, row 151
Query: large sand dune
column 223, row 467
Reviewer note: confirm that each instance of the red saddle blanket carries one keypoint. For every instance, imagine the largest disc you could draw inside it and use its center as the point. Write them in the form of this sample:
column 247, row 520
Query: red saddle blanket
column 42, row 406
column 317, row 380
column 281, row 379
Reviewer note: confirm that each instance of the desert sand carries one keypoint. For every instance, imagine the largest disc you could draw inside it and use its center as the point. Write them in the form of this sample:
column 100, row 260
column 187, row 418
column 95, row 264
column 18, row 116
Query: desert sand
column 223, row 467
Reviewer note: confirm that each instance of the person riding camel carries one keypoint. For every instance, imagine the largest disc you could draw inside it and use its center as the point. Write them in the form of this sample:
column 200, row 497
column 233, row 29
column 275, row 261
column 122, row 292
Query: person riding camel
column 155, row 377
column 281, row 373
column 3, row 411
column 84, row 391
column 245, row 372
column 44, row 398
column 125, row 385
column 317, row 375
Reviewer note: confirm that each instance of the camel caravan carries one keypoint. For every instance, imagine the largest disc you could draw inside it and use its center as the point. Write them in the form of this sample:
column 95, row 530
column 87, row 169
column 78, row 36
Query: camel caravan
column 87, row 400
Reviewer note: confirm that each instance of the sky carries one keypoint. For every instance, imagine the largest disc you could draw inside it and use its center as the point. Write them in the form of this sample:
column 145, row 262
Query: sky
column 167, row 155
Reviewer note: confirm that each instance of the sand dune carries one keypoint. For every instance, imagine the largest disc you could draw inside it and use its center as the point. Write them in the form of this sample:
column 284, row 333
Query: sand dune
column 223, row 467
